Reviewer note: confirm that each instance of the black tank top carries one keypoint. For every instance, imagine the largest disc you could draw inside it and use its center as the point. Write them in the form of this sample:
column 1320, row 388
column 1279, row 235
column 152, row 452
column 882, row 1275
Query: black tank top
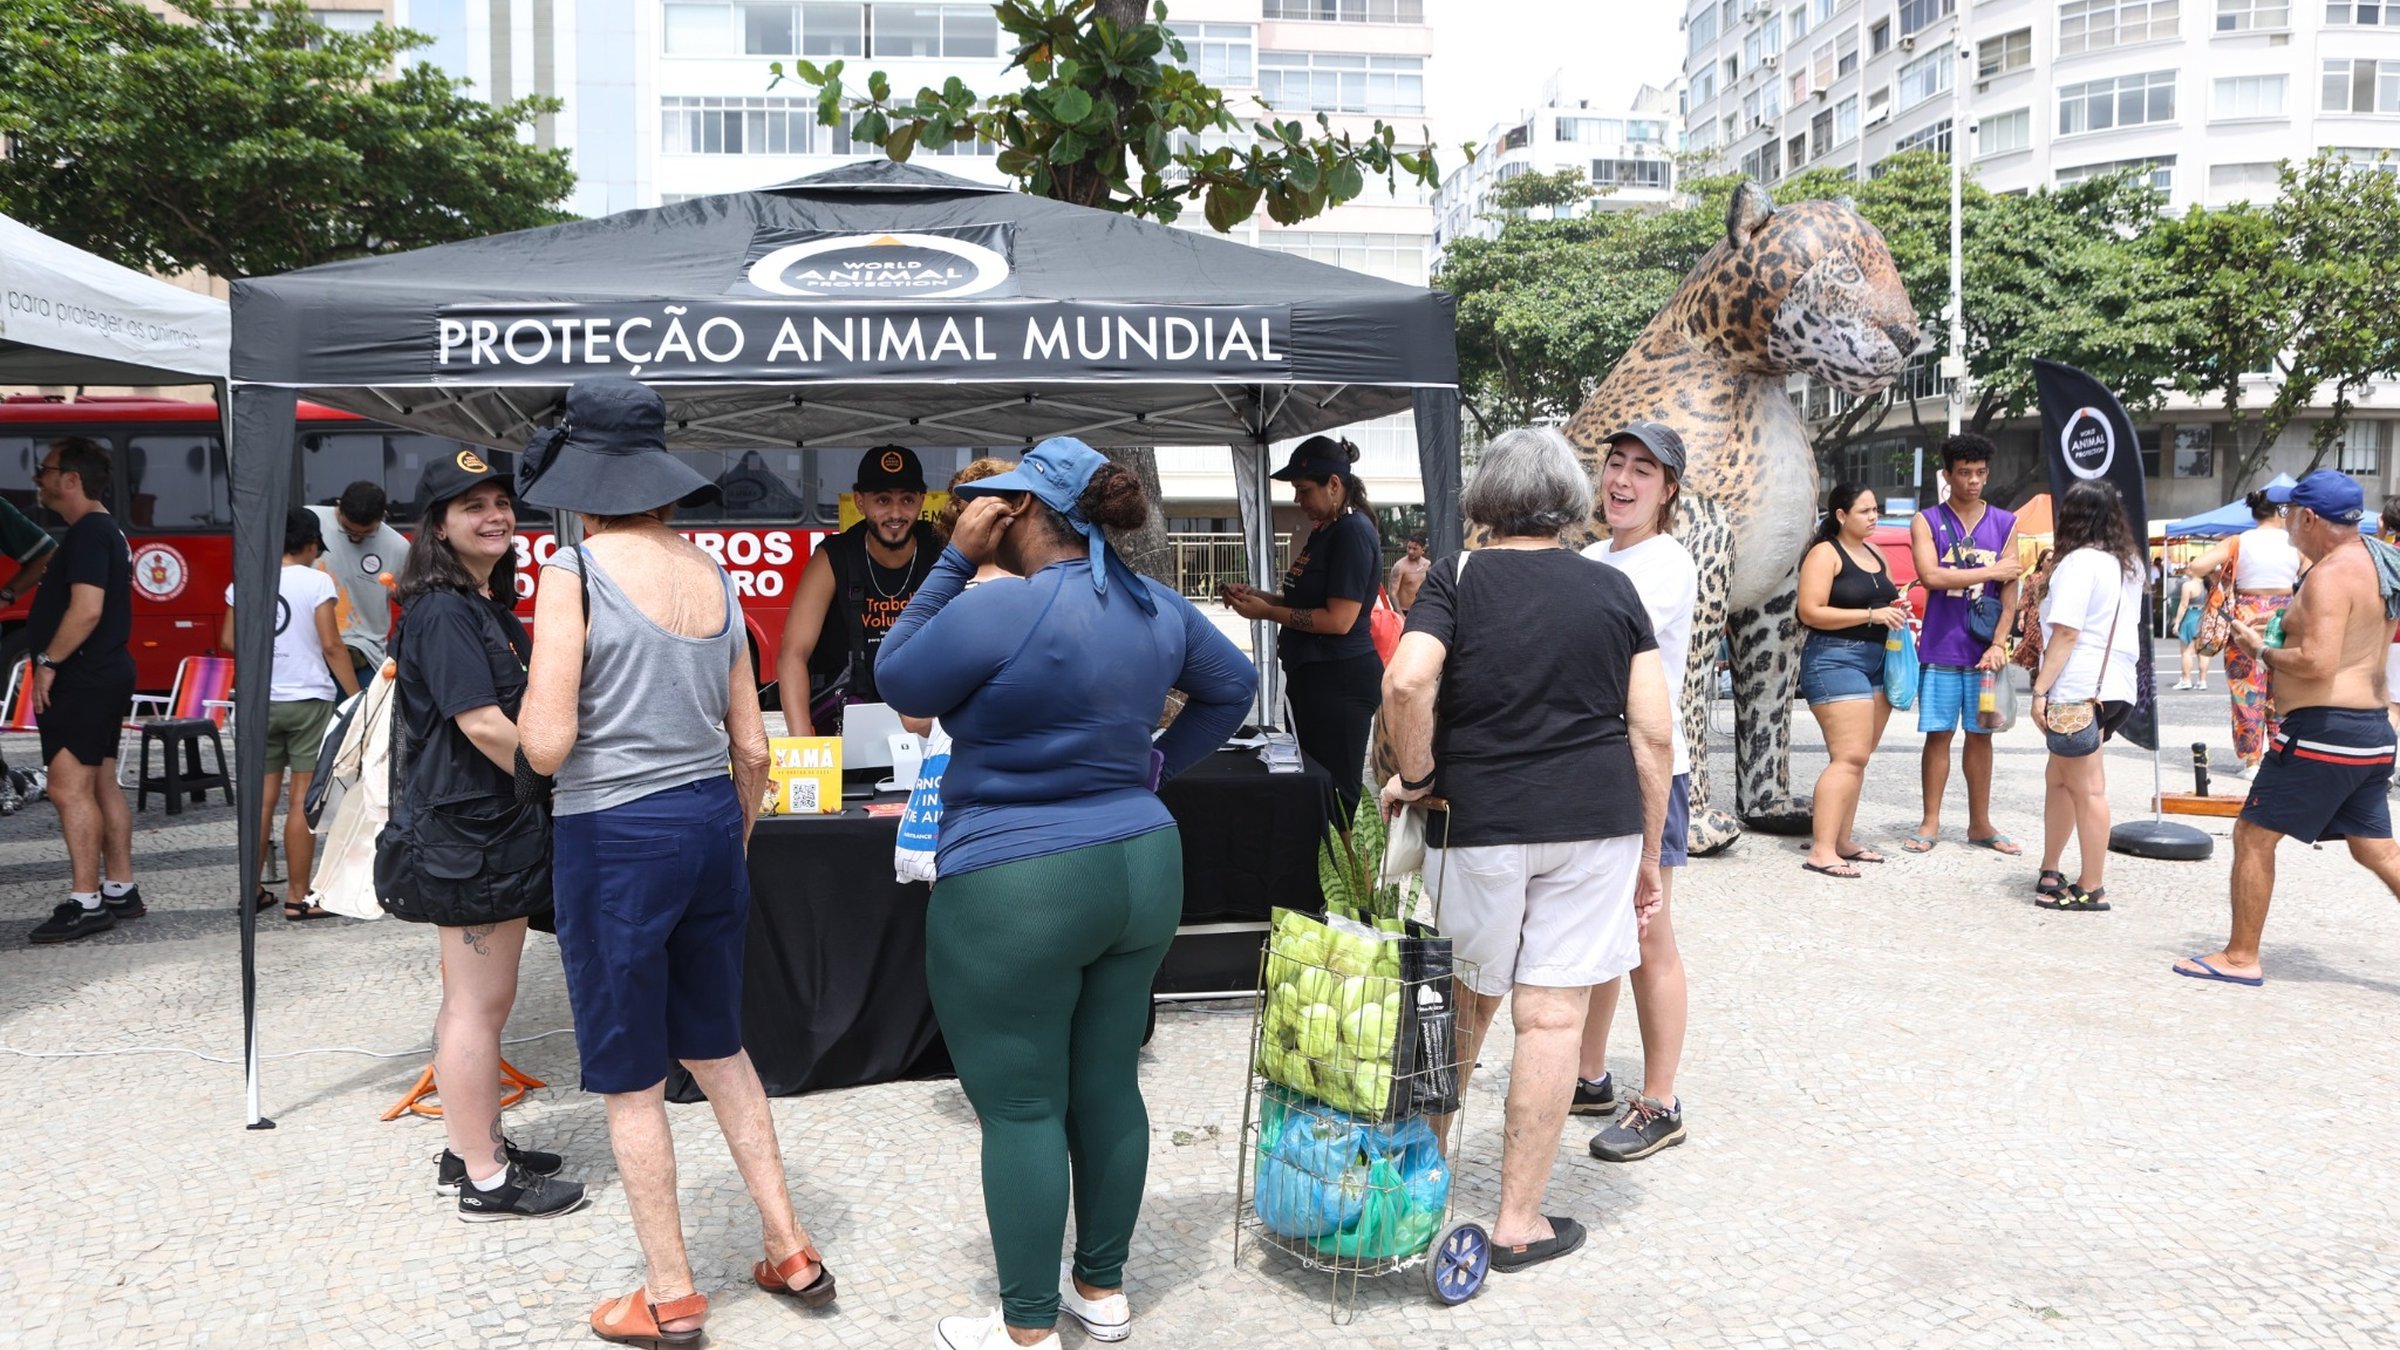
column 1855, row 587
column 868, row 598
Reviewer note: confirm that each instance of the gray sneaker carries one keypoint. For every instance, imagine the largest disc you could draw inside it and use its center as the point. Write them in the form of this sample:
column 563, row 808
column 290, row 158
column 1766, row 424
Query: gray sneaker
column 1647, row 1126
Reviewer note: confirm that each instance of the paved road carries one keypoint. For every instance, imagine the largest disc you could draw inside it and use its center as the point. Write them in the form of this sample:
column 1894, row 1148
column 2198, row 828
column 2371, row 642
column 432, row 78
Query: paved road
column 1922, row 1112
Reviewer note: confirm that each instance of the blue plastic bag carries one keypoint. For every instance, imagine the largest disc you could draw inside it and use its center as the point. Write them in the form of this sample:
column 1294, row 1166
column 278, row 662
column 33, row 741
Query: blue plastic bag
column 1900, row 667
column 1312, row 1176
column 921, row 825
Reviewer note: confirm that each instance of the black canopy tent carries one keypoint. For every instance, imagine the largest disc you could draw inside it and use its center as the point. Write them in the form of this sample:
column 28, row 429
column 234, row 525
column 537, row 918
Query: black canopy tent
column 877, row 302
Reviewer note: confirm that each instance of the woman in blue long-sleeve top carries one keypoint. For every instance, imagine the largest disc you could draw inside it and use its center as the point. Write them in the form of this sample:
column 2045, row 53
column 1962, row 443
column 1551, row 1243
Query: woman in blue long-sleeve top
column 1061, row 874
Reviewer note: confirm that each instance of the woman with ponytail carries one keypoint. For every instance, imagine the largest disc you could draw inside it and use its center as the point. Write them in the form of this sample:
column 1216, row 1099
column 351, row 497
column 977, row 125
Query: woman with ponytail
column 1849, row 607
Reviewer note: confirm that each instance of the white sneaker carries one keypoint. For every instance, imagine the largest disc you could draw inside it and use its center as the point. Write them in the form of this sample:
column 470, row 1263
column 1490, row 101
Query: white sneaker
column 989, row 1332
column 1104, row 1319
column 2183, row 684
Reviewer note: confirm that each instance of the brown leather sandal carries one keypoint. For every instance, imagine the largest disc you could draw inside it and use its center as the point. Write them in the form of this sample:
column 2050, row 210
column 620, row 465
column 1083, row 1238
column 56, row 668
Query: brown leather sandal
column 634, row 1319
column 777, row 1279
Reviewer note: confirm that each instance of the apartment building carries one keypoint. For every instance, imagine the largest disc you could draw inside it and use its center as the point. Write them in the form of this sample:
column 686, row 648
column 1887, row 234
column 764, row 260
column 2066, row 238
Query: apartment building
column 1624, row 147
column 2202, row 96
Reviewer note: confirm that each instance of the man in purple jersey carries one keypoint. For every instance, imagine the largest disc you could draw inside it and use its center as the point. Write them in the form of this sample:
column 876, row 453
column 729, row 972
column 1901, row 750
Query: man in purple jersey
column 1966, row 556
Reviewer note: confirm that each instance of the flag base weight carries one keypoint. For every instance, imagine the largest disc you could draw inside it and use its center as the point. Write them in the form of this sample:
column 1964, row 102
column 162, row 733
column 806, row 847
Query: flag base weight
column 2163, row 839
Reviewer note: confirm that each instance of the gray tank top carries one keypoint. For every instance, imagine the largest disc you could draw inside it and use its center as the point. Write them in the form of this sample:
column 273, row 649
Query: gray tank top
column 651, row 714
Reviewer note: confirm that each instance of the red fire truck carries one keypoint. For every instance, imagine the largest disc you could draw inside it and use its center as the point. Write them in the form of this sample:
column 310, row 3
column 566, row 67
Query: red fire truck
column 173, row 497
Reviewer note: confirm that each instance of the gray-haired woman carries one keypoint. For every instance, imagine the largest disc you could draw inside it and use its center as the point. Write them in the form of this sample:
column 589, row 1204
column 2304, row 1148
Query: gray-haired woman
column 1526, row 691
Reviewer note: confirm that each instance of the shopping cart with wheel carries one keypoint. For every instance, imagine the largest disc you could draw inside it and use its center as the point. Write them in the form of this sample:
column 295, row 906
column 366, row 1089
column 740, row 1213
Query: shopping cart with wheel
column 1351, row 1114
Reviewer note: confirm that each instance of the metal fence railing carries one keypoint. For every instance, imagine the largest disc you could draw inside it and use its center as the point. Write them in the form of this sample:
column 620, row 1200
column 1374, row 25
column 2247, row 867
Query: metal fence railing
column 1204, row 562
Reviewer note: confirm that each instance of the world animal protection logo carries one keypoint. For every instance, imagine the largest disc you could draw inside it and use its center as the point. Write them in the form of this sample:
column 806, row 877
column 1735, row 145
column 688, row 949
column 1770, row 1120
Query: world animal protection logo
column 898, row 265
column 2088, row 443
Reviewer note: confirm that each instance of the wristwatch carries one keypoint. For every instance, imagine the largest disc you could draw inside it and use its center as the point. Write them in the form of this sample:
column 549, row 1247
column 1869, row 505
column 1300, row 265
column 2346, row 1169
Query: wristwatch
column 42, row 661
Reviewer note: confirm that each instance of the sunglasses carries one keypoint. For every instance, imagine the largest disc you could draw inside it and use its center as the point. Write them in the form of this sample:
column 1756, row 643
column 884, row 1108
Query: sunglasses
column 41, row 471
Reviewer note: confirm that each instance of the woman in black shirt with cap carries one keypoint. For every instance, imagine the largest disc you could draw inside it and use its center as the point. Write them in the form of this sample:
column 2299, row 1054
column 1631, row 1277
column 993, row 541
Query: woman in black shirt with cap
column 1330, row 667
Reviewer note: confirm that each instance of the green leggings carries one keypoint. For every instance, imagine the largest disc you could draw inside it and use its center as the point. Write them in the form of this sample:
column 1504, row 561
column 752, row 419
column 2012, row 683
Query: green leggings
column 1040, row 972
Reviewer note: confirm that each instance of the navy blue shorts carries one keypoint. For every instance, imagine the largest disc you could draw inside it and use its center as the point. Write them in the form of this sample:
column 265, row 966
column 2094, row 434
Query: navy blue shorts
column 1674, row 842
column 653, row 903
column 1836, row 669
column 2326, row 777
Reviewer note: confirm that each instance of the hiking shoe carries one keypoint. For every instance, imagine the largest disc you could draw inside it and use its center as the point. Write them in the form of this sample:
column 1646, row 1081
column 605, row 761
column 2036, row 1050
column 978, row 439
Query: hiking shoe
column 1595, row 1099
column 450, row 1171
column 1647, row 1126
column 126, row 906
column 71, row 921
column 522, row 1196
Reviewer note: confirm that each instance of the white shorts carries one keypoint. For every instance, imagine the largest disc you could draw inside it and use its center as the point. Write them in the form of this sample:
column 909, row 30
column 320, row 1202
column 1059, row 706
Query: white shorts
column 1556, row 915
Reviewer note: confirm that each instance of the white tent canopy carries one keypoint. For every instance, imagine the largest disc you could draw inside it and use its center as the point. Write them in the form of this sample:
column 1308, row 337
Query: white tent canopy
column 67, row 317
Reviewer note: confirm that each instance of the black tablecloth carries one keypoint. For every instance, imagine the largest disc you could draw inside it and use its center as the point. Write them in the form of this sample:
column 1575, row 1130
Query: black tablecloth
column 833, row 985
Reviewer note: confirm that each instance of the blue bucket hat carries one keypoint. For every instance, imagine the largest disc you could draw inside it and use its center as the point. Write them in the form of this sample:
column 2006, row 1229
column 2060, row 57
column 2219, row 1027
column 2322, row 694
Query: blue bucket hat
column 1056, row 472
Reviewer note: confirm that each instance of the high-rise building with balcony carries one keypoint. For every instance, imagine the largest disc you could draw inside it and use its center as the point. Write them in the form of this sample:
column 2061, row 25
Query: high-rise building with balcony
column 2204, row 97
column 1623, row 148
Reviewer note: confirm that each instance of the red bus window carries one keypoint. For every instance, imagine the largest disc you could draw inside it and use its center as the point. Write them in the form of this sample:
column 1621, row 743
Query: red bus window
column 176, row 482
column 19, row 457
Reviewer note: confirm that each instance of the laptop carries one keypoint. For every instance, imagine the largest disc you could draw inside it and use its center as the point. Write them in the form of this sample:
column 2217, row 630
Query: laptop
column 867, row 729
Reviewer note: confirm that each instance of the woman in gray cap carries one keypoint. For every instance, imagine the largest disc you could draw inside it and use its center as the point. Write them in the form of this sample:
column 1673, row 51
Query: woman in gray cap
column 641, row 693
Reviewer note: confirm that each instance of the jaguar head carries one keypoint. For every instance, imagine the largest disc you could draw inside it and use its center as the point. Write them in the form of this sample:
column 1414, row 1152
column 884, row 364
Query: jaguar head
column 1809, row 288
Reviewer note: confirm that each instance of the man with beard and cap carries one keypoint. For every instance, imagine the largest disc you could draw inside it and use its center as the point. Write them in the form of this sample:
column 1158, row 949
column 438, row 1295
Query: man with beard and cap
column 853, row 590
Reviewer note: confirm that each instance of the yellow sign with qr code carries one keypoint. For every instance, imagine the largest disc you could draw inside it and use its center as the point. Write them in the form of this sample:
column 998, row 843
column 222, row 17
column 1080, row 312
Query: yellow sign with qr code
column 806, row 774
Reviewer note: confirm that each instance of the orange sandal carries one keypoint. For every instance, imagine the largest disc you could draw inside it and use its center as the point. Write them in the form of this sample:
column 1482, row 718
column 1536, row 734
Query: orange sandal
column 634, row 1319
column 777, row 1279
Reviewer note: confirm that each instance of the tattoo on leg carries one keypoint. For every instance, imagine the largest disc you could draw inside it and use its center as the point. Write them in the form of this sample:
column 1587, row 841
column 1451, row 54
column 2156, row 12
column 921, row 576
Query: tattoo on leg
column 499, row 1144
column 478, row 937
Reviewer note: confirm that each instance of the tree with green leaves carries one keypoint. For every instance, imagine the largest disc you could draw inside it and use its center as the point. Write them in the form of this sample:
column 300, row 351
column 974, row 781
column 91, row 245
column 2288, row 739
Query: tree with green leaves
column 245, row 140
column 2299, row 292
column 1543, row 191
column 1112, row 116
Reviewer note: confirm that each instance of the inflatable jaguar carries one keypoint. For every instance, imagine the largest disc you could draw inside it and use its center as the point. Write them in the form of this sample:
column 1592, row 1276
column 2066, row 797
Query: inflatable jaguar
column 1811, row 289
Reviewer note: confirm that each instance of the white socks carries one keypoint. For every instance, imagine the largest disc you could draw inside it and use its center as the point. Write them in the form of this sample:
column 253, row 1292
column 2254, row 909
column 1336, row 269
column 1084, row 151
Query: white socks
column 90, row 900
column 493, row 1183
column 115, row 890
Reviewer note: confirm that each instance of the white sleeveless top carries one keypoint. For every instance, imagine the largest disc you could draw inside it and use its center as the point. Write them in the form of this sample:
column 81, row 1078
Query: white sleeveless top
column 2267, row 561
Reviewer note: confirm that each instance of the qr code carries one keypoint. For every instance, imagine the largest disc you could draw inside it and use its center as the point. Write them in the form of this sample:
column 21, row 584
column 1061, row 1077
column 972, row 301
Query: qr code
column 804, row 796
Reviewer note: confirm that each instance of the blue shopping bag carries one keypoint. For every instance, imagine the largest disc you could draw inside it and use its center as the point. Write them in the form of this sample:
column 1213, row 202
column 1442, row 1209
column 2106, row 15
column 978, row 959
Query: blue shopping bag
column 921, row 824
column 1900, row 667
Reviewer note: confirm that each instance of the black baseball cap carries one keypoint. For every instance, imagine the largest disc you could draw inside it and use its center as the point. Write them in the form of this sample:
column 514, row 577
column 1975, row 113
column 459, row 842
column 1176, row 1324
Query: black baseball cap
column 890, row 468
column 460, row 472
column 1319, row 459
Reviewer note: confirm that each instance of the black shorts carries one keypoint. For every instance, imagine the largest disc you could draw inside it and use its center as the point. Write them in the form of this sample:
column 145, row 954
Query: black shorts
column 89, row 700
column 2326, row 777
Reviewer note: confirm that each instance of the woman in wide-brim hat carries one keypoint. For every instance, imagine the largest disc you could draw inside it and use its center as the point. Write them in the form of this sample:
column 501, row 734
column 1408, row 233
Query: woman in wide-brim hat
column 641, row 694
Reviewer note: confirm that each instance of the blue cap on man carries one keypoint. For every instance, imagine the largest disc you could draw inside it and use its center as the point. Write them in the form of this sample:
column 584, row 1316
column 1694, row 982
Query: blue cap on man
column 2333, row 495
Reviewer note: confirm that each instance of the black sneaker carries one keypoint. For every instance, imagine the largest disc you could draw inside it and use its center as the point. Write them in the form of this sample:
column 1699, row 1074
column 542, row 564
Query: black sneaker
column 522, row 1196
column 71, row 921
column 126, row 906
column 450, row 1171
column 1595, row 1099
column 1647, row 1126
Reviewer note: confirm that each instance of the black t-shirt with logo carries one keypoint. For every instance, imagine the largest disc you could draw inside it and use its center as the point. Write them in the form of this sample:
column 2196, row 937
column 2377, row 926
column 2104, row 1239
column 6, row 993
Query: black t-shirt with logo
column 1530, row 743
column 867, row 600
column 1342, row 559
column 457, row 653
column 94, row 554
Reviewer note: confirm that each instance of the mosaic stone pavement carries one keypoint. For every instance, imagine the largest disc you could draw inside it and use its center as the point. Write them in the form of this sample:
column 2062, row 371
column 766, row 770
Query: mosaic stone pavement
column 1922, row 1112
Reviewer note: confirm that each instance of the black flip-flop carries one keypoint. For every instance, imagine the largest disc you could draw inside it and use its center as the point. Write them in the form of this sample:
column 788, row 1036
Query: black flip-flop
column 1864, row 855
column 1565, row 1236
column 300, row 911
column 1832, row 870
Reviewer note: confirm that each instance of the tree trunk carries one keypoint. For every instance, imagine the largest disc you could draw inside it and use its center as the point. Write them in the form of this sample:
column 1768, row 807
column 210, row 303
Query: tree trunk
column 1145, row 550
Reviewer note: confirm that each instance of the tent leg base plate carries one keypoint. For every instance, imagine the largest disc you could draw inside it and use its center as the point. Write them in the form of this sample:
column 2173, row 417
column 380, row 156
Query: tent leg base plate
column 262, row 1123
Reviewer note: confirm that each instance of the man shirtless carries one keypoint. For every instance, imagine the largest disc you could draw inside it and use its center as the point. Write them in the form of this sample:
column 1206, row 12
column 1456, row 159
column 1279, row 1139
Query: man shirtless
column 2326, row 775
column 1409, row 573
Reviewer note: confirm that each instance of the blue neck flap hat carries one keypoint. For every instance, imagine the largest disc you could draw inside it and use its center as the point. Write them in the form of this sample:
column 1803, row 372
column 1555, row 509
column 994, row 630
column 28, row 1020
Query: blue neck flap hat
column 1056, row 473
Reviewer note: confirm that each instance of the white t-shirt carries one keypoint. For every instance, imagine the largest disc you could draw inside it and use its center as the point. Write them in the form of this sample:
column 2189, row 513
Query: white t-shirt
column 1663, row 571
column 300, row 671
column 366, row 621
column 2086, row 588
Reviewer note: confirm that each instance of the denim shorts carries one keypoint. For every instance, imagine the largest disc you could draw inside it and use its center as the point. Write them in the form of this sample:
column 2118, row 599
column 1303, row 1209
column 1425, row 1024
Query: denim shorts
column 1837, row 669
column 653, row 906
